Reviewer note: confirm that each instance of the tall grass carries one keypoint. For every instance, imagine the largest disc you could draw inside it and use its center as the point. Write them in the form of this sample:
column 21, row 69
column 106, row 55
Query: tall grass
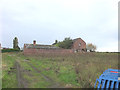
column 79, row 69
column 75, row 70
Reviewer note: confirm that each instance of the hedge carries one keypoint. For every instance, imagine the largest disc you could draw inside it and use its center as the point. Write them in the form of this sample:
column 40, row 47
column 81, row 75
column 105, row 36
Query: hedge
column 10, row 50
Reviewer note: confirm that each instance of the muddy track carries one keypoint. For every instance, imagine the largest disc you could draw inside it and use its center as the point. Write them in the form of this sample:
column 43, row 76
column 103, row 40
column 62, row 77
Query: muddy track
column 22, row 83
column 53, row 83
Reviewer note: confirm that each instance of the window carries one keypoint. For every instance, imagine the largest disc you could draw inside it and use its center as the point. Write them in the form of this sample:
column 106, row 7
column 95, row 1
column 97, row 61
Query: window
column 79, row 44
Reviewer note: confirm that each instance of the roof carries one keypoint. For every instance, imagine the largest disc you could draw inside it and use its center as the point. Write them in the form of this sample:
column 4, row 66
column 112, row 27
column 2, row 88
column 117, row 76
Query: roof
column 77, row 39
column 39, row 46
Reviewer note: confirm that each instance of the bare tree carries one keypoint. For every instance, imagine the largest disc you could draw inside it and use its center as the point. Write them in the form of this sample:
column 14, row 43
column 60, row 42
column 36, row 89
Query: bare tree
column 90, row 47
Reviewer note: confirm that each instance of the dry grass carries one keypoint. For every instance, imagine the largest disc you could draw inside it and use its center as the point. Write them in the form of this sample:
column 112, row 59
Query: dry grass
column 84, row 68
column 78, row 70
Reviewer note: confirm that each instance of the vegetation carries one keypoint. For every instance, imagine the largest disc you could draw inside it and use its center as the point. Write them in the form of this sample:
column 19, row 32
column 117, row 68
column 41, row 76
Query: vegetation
column 90, row 47
column 15, row 43
column 9, row 79
column 66, row 43
column 56, row 70
column 56, row 41
column 10, row 50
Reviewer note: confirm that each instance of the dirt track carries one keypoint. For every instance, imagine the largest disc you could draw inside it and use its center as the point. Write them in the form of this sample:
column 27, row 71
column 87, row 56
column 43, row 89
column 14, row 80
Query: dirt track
column 53, row 83
column 23, row 83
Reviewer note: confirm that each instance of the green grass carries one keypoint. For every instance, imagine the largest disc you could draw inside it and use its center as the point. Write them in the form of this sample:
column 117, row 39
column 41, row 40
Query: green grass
column 78, row 70
column 8, row 62
column 25, row 65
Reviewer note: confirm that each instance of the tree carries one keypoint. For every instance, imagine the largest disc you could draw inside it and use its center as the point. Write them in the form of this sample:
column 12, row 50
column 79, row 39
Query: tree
column 56, row 41
column 66, row 43
column 90, row 47
column 15, row 43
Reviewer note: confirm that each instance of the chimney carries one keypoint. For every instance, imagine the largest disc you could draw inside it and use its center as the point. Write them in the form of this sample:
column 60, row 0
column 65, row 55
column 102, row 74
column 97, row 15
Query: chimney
column 34, row 42
column 24, row 45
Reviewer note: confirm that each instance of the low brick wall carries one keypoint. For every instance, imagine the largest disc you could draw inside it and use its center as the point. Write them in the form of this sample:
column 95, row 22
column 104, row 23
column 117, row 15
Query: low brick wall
column 32, row 51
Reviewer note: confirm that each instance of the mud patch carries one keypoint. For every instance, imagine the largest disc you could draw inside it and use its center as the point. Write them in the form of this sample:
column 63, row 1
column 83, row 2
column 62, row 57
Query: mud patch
column 26, row 60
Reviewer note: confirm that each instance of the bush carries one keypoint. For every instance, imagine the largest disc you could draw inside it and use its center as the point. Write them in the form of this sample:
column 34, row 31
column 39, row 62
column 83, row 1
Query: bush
column 66, row 43
column 9, row 50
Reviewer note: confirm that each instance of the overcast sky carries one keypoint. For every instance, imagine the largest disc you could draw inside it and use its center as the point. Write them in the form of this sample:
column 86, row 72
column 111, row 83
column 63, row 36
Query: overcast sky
column 95, row 21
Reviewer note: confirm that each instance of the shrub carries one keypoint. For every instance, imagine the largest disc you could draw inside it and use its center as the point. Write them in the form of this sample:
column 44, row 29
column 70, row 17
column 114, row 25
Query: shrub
column 10, row 50
column 66, row 43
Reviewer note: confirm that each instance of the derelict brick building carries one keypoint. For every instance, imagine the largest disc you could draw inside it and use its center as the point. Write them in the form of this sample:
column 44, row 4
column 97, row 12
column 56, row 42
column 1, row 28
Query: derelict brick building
column 79, row 45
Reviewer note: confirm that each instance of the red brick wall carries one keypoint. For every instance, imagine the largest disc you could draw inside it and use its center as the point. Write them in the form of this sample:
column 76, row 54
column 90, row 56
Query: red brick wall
column 40, row 51
column 76, row 44
column 0, row 47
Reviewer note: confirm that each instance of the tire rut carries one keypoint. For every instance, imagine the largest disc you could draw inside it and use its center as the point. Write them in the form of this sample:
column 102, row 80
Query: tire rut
column 22, row 83
column 54, row 84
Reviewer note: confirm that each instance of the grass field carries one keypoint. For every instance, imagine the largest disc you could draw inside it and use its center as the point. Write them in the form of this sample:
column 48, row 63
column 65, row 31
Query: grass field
column 78, row 70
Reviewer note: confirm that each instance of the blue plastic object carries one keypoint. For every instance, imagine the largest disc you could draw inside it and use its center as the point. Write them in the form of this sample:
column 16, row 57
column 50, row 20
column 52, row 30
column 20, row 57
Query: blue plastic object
column 109, row 79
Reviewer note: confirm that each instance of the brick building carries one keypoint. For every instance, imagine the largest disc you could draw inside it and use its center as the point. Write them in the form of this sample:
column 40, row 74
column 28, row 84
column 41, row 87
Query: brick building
column 78, row 46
